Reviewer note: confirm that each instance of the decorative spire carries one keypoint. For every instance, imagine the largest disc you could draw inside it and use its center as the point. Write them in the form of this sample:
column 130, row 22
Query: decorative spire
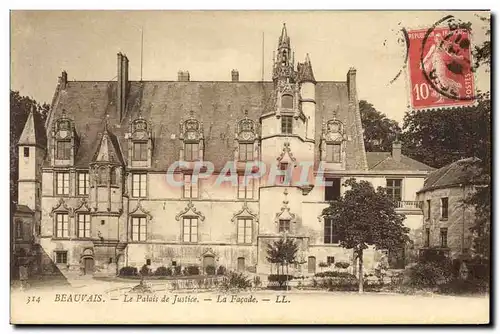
column 305, row 72
column 284, row 41
column 32, row 134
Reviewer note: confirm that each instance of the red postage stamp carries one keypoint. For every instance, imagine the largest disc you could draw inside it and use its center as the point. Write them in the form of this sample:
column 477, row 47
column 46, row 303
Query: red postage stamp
column 440, row 68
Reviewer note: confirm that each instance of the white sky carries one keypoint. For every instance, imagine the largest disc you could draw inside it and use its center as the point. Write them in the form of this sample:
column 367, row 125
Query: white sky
column 211, row 44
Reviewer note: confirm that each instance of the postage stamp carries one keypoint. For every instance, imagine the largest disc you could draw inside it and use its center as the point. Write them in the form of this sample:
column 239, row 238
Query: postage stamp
column 440, row 68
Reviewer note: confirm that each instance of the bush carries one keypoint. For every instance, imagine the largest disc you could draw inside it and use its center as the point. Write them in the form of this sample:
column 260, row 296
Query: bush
column 334, row 274
column 430, row 273
column 236, row 281
column 342, row 265
column 163, row 271
column 210, row 270
column 323, row 264
column 191, row 271
column 221, row 271
column 128, row 272
column 145, row 271
column 177, row 270
column 459, row 287
column 256, row 281
column 281, row 279
column 340, row 284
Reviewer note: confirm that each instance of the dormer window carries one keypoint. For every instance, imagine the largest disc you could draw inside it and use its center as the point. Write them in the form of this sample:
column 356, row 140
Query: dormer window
column 287, row 124
column 140, row 151
column 191, row 151
column 333, row 141
column 246, row 151
column 102, row 176
column 287, row 101
column 64, row 141
column 63, row 150
column 333, row 151
column 246, row 139
column 192, row 138
column 140, row 143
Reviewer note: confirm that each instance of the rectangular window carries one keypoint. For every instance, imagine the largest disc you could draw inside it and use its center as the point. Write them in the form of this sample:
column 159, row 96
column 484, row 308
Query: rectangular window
column 428, row 209
column 26, row 152
column 19, row 230
column 332, row 192
column 444, row 208
column 83, row 225
column 63, row 149
column 427, row 237
column 284, row 225
column 83, row 183
column 139, row 185
column 62, row 225
column 330, row 232
column 287, row 124
column 61, row 257
column 443, row 233
column 246, row 152
column 284, row 172
column 190, row 187
column 330, row 260
column 191, row 151
column 62, row 183
column 333, row 153
column 190, row 230
column 394, row 189
column 245, row 231
column 245, row 191
column 138, row 229
column 140, row 151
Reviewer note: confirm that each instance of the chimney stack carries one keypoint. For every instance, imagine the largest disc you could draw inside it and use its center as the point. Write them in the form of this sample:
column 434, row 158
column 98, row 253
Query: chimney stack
column 235, row 76
column 63, row 80
column 396, row 150
column 122, row 87
column 183, row 76
column 351, row 83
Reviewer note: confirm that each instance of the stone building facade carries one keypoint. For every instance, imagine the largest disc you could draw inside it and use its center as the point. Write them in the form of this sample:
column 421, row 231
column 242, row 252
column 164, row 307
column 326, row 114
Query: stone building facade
column 114, row 184
column 447, row 221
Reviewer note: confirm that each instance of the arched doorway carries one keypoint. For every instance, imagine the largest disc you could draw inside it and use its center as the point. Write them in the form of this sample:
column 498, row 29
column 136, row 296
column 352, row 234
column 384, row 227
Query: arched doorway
column 241, row 264
column 88, row 261
column 208, row 260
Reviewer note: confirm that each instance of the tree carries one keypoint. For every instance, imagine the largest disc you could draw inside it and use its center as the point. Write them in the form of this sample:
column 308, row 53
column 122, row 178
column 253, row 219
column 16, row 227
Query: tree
column 282, row 252
column 379, row 131
column 367, row 217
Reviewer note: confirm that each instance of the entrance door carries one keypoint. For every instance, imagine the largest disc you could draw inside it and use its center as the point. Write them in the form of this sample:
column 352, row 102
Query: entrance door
column 241, row 264
column 311, row 265
column 208, row 260
column 88, row 265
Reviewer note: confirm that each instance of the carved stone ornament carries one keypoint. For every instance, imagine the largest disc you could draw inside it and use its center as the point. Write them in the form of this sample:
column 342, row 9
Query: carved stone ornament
column 286, row 150
column 285, row 211
column 190, row 208
column 245, row 212
column 61, row 206
column 246, row 129
column 83, row 205
column 191, row 129
column 333, row 131
column 139, row 209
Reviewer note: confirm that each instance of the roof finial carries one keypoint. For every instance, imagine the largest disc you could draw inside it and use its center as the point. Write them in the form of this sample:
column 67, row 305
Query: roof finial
column 106, row 122
column 191, row 113
column 246, row 113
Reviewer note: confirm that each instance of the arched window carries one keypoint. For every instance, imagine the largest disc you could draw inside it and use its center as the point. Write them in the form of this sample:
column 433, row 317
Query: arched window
column 114, row 176
column 102, row 176
column 287, row 101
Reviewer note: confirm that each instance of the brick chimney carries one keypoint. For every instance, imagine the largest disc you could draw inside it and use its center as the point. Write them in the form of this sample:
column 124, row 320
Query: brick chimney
column 396, row 150
column 235, row 76
column 122, row 87
column 183, row 76
column 63, row 80
column 351, row 83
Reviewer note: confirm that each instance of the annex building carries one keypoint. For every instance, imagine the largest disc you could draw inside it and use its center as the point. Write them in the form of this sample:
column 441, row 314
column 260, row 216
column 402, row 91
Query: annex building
column 93, row 189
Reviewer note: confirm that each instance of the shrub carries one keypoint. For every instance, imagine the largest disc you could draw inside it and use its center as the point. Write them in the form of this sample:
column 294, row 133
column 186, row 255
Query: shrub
column 200, row 282
column 342, row 265
column 128, row 271
column 236, row 281
column 334, row 274
column 341, row 284
column 256, row 281
column 281, row 279
column 163, row 271
column 191, row 271
column 210, row 270
column 221, row 271
column 145, row 271
column 177, row 270
column 459, row 287
column 323, row 264
column 430, row 273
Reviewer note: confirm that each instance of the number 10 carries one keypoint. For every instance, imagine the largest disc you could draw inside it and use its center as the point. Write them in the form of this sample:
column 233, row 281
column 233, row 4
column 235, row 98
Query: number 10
column 422, row 91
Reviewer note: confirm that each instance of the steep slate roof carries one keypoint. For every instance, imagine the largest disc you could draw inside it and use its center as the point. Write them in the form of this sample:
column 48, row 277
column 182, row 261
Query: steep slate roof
column 34, row 131
column 108, row 149
column 454, row 174
column 385, row 161
column 219, row 105
column 21, row 208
